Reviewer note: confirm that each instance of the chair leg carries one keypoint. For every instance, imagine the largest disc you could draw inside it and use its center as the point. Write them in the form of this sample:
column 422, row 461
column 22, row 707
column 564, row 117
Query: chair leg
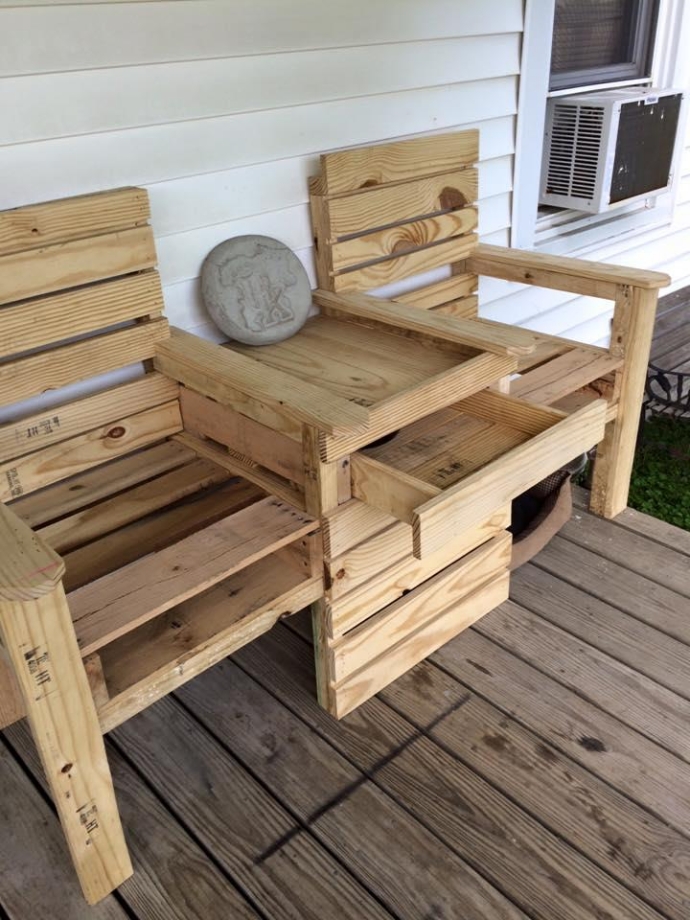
column 41, row 645
column 633, row 328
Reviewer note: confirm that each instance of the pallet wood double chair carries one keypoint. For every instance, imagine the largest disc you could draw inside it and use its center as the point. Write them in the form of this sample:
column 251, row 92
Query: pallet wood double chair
column 132, row 555
column 364, row 466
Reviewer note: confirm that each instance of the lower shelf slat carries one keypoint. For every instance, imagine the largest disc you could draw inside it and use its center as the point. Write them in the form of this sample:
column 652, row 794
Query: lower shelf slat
column 165, row 653
column 118, row 603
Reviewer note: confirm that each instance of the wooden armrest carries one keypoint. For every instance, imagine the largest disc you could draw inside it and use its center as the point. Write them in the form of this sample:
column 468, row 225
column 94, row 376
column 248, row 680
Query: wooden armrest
column 216, row 372
column 579, row 276
column 467, row 332
column 29, row 568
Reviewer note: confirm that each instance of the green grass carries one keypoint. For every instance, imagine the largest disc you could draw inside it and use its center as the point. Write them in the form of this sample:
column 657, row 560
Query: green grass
column 660, row 483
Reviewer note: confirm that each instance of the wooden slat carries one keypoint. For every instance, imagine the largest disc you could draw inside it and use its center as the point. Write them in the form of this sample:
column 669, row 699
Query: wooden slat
column 473, row 498
column 206, row 418
column 354, row 690
column 388, row 489
column 40, row 469
column 240, row 465
column 49, row 370
column 449, row 329
column 39, row 638
column 504, row 409
column 402, row 238
column 391, row 582
column 382, row 632
column 563, row 375
column 11, row 703
column 162, row 656
column 36, row 431
column 29, row 568
column 463, row 308
column 106, row 516
column 66, row 219
column 379, row 207
column 362, row 167
column 42, row 271
column 413, row 263
column 350, row 524
column 67, row 496
column 440, row 292
column 206, row 368
column 597, row 279
column 35, row 323
column 118, row 603
column 156, row 531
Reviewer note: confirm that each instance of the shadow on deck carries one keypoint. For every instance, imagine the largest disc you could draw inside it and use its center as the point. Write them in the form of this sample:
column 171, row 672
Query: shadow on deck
column 537, row 766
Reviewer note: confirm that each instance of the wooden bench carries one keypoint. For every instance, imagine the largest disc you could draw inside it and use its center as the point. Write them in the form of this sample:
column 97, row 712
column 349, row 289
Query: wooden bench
column 391, row 212
column 132, row 554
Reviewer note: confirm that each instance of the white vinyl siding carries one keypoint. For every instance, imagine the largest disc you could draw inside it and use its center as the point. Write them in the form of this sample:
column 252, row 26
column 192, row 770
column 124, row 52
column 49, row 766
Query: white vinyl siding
column 221, row 109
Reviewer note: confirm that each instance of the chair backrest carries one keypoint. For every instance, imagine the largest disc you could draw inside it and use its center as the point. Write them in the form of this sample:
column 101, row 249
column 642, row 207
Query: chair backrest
column 79, row 299
column 389, row 212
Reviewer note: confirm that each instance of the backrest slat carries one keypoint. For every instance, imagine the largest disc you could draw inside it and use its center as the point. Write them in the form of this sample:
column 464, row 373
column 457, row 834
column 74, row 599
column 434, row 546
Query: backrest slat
column 38, row 225
column 35, row 323
column 383, row 214
column 70, row 265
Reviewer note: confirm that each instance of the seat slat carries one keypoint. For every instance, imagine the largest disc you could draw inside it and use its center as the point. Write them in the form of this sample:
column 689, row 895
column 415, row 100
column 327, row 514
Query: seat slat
column 34, row 471
column 130, row 505
column 563, row 375
column 156, row 531
column 66, row 219
column 59, row 367
column 403, row 238
column 68, row 265
column 35, row 323
column 379, row 207
column 115, row 604
column 69, row 495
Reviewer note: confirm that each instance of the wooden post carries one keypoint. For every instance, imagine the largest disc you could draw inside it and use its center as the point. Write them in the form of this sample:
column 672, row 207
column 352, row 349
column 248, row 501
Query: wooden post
column 39, row 639
column 11, row 704
column 631, row 338
column 321, row 487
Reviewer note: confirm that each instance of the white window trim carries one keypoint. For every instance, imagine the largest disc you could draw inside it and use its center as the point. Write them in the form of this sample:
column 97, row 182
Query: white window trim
column 671, row 68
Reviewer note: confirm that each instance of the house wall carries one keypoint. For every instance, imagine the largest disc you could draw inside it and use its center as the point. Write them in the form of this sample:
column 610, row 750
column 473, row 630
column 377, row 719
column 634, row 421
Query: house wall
column 221, row 109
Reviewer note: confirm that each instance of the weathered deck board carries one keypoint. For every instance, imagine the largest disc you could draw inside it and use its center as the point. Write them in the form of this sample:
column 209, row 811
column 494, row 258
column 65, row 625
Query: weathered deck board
column 671, row 343
column 535, row 767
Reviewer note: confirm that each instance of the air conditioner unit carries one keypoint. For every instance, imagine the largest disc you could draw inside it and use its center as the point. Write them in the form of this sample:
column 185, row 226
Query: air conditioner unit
column 605, row 149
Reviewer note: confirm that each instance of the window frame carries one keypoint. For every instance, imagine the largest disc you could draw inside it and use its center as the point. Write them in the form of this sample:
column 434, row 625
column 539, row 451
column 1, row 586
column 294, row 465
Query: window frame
column 581, row 233
column 635, row 70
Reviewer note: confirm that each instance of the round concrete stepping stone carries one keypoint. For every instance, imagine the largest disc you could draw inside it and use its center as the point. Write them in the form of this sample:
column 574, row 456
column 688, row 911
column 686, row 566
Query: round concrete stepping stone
column 255, row 289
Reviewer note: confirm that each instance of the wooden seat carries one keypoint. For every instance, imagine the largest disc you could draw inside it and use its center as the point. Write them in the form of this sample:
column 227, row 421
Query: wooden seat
column 133, row 554
column 390, row 214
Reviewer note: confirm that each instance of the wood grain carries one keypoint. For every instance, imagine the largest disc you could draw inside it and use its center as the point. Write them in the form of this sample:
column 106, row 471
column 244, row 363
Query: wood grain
column 39, row 225
column 52, row 268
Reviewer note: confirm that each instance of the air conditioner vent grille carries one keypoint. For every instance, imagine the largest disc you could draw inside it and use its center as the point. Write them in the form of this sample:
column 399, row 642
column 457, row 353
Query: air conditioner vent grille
column 576, row 134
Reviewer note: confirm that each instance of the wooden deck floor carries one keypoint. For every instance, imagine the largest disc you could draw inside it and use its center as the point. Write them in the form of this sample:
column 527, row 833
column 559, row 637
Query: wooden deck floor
column 538, row 766
column 671, row 345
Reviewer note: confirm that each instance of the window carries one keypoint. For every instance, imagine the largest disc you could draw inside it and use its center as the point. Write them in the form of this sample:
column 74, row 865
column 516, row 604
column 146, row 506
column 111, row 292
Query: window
column 601, row 41
column 571, row 47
